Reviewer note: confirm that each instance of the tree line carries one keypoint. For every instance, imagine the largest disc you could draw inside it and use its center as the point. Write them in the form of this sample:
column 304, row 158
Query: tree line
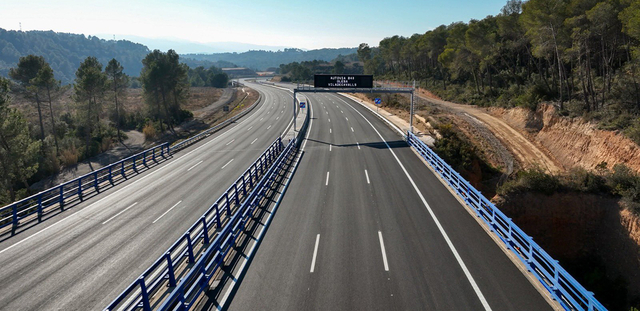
column 582, row 55
column 28, row 152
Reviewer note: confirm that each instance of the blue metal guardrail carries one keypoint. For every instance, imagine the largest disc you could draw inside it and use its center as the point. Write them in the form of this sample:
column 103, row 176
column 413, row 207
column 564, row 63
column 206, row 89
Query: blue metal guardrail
column 52, row 199
column 47, row 201
column 183, row 272
column 191, row 140
column 562, row 286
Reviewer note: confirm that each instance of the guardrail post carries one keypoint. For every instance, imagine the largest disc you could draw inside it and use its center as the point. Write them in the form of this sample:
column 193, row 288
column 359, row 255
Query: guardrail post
column 192, row 258
column 39, row 207
column 110, row 174
column 80, row 189
column 122, row 170
column 61, row 200
column 146, row 306
column 171, row 274
column 226, row 199
column 235, row 193
column 135, row 169
column 14, row 226
column 153, row 155
column 144, row 158
column 205, row 230
column 168, row 150
column 215, row 206
column 95, row 181
column 244, row 186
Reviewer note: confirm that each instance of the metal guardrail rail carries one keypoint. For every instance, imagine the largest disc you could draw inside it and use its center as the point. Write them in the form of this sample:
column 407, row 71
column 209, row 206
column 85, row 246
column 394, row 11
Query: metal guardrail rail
column 56, row 198
column 191, row 140
column 185, row 269
column 562, row 286
column 183, row 273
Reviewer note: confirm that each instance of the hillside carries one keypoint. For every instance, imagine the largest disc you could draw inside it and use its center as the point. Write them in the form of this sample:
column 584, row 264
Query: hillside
column 65, row 51
column 261, row 60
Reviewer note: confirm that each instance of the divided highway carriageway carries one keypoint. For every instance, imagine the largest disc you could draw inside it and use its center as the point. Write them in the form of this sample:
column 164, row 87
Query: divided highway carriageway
column 363, row 225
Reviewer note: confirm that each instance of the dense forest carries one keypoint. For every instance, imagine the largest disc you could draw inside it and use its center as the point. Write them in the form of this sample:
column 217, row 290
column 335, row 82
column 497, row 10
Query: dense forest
column 262, row 60
column 64, row 52
column 61, row 134
column 582, row 55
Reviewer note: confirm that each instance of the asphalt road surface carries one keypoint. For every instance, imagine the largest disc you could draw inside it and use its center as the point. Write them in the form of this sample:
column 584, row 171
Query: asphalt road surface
column 365, row 225
column 84, row 257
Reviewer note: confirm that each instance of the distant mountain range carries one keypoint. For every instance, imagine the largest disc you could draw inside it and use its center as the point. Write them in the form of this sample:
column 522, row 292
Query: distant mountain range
column 185, row 46
column 65, row 52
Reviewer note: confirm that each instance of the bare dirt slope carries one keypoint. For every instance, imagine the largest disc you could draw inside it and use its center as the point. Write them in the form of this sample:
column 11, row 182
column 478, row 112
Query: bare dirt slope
column 528, row 153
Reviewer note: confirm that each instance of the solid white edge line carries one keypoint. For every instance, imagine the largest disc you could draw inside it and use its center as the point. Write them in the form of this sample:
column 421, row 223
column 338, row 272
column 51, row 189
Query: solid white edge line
column 127, row 186
column 384, row 252
column 327, row 182
column 226, row 164
column 195, row 165
column 315, row 253
column 166, row 212
column 261, row 234
column 463, row 266
column 118, row 214
column 367, row 174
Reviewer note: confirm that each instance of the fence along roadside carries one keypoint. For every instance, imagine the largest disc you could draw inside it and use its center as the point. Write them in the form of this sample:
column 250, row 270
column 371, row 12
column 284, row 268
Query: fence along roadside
column 57, row 198
column 563, row 287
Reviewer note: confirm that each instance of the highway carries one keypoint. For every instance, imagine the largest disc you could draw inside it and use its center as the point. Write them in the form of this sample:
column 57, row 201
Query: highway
column 84, row 257
column 365, row 225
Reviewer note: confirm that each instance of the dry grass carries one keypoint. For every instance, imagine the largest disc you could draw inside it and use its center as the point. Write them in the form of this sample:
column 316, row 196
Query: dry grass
column 69, row 156
column 149, row 131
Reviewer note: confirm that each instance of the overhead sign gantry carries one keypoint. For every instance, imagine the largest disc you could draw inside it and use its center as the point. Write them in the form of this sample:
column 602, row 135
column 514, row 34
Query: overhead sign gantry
column 344, row 83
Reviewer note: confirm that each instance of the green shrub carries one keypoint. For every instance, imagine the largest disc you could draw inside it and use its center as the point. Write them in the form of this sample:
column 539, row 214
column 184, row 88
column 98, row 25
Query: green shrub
column 535, row 180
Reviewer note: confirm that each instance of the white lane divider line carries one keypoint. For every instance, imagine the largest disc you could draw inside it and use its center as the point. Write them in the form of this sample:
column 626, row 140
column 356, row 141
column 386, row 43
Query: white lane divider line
column 327, row 112
column 226, row 164
column 341, row 111
column 269, row 127
column 347, row 119
column 384, row 253
column 352, row 128
column 118, row 214
column 315, row 253
column 327, row 182
column 261, row 118
column 463, row 266
column 282, row 111
column 194, row 166
column 252, row 126
column 367, row 174
column 329, row 120
column 330, row 131
column 357, row 143
column 166, row 212
column 229, row 143
column 329, row 147
column 254, row 141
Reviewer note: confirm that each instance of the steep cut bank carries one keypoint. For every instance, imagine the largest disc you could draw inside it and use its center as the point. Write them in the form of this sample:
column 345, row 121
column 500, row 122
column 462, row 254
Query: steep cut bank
column 595, row 238
column 572, row 141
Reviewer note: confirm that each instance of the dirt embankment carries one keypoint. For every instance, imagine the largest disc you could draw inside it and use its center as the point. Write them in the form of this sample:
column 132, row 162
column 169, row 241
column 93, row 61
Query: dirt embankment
column 573, row 227
column 572, row 141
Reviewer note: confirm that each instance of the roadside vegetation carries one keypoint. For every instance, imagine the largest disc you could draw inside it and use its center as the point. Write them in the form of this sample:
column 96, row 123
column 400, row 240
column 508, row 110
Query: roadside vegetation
column 51, row 125
column 582, row 55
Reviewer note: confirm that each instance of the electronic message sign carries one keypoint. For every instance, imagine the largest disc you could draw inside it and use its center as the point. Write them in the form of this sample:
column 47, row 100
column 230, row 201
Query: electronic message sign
column 343, row 81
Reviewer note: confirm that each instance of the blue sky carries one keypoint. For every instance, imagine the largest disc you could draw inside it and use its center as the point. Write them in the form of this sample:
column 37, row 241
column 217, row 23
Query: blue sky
column 301, row 24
